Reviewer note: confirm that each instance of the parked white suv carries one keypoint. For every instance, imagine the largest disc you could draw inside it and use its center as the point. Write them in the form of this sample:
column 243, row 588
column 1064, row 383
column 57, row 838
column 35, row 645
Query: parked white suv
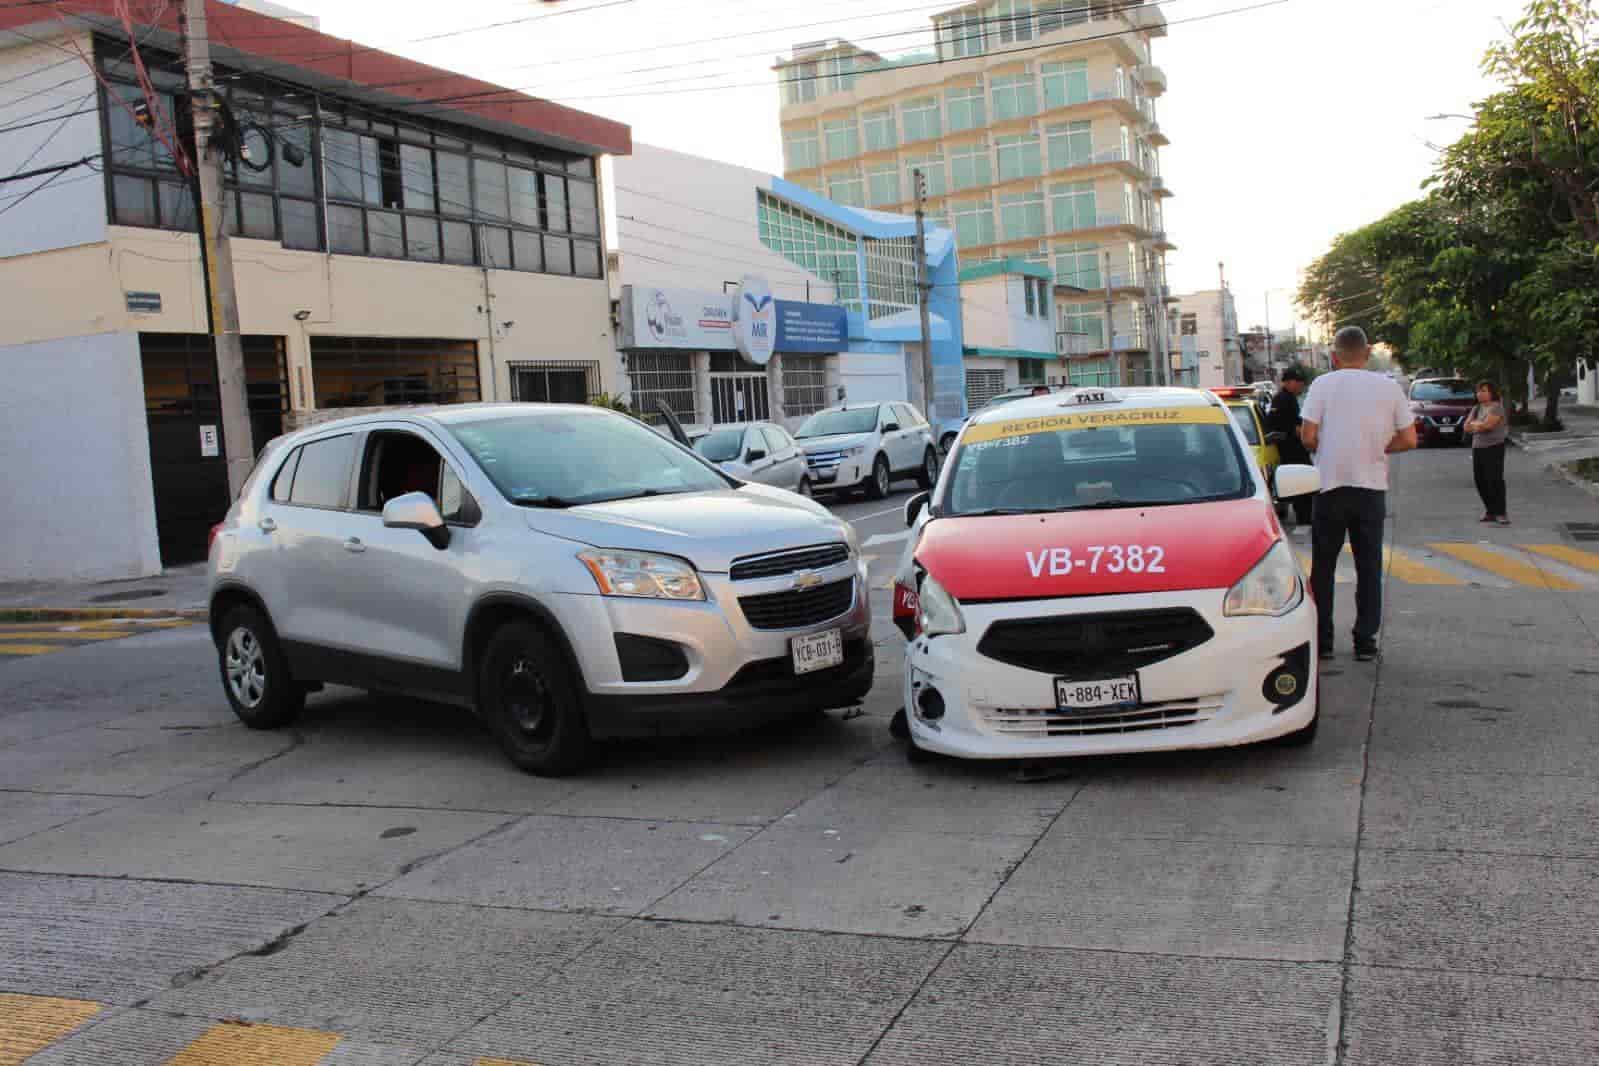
column 562, row 570
column 865, row 446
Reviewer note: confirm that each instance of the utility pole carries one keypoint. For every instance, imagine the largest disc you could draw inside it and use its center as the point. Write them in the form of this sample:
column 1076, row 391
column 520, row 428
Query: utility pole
column 216, row 257
column 924, row 293
column 1110, row 324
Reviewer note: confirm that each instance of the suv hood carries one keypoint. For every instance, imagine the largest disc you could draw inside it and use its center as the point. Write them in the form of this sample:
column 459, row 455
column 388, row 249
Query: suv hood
column 834, row 442
column 1008, row 557
column 710, row 529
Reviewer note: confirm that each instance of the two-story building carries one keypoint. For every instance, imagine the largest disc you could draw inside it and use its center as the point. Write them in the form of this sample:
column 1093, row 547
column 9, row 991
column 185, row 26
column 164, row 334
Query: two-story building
column 400, row 235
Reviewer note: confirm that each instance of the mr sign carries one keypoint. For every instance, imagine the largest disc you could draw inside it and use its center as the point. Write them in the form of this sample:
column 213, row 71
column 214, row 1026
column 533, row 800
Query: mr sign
column 754, row 320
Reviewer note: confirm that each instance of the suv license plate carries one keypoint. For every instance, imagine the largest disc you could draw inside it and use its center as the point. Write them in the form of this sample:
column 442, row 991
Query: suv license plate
column 1086, row 695
column 1447, row 429
column 818, row 651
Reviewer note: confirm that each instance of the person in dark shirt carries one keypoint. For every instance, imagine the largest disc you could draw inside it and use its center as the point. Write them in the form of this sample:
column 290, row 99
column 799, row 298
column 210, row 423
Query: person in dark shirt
column 1282, row 426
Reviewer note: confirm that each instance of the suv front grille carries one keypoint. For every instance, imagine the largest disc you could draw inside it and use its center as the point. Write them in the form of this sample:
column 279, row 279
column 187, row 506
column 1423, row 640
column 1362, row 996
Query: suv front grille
column 1098, row 644
column 797, row 608
column 776, row 564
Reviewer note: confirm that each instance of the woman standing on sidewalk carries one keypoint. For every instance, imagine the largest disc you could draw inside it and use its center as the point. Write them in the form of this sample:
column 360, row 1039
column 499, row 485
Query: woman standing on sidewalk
column 1489, row 430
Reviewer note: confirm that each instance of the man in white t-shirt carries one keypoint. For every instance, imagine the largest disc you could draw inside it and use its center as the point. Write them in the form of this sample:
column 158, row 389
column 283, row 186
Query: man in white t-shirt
column 1353, row 419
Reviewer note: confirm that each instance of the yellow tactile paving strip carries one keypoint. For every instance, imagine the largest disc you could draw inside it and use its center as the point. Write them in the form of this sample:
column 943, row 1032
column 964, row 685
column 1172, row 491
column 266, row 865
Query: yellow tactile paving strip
column 29, row 1024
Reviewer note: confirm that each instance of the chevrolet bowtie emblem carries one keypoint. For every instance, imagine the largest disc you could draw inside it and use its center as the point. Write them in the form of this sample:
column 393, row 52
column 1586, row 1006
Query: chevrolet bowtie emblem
column 808, row 579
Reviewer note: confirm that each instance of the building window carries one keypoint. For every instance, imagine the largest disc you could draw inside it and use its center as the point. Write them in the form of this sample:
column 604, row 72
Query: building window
column 879, row 126
column 982, row 386
column 1018, row 157
column 842, row 139
column 804, row 384
column 1021, row 215
column 389, row 371
column 1086, row 320
column 1052, row 15
column 665, row 376
column 1078, row 265
column 554, row 381
column 964, row 109
column 800, row 149
column 882, row 185
column 810, row 242
column 1031, row 297
column 890, row 276
column 921, row 119
column 969, row 166
column 846, row 187
column 799, row 83
column 1073, row 207
column 1011, row 21
column 1189, row 324
column 1065, row 83
column 960, row 35
column 1071, row 144
column 838, row 74
column 1030, row 371
column 974, row 223
column 932, row 168
column 1014, row 96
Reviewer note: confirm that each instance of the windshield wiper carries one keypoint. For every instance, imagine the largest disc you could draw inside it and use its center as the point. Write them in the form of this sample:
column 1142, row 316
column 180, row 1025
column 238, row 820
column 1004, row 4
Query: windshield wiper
column 1110, row 505
column 553, row 502
column 990, row 511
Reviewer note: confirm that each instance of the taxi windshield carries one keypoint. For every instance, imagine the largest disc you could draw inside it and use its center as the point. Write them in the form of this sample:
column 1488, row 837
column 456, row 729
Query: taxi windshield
column 1079, row 462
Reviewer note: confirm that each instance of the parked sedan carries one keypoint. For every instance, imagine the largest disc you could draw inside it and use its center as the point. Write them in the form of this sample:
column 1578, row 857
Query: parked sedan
column 762, row 452
column 1441, row 406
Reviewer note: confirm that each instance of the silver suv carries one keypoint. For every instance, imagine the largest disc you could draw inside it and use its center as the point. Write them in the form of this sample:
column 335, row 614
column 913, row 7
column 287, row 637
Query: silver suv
column 564, row 571
column 866, row 446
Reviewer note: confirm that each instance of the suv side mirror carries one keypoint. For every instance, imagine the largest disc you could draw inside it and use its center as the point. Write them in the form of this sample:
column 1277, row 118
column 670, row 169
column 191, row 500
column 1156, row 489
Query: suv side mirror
column 753, row 455
column 890, row 427
column 913, row 507
column 416, row 510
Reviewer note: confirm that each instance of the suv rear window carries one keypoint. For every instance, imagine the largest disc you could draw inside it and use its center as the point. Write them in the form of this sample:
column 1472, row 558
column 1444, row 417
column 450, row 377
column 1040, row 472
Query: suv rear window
column 323, row 476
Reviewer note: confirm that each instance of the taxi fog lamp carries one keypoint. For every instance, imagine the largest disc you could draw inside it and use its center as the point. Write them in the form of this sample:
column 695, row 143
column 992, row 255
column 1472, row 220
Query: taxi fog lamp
column 1272, row 588
column 930, row 705
column 642, row 575
column 937, row 612
column 1286, row 686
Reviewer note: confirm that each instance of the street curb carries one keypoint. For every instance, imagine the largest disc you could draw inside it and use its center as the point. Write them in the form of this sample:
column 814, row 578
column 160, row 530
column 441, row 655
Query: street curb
column 1560, row 471
column 74, row 614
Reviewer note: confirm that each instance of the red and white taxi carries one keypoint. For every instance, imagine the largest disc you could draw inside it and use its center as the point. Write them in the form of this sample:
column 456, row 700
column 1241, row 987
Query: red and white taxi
column 1101, row 571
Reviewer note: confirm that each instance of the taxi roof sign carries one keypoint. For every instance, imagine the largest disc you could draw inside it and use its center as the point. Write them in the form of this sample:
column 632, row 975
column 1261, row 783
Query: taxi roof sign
column 1087, row 397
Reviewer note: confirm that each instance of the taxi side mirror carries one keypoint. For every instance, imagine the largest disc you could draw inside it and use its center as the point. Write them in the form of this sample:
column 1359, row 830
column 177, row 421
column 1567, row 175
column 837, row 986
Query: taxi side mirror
column 913, row 507
column 1296, row 479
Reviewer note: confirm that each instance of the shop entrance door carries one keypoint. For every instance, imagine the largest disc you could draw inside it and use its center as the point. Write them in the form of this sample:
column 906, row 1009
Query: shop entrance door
column 738, row 391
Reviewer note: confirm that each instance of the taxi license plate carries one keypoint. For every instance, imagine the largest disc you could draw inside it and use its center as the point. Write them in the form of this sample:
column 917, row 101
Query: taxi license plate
column 818, row 651
column 1087, row 695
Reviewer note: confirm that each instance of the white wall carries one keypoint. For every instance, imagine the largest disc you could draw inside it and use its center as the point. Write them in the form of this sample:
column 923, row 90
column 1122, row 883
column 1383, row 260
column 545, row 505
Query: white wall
column 76, row 454
column 994, row 315
column 71, row 208
column 869, row 378
column 682, row 221
column 1211, row 312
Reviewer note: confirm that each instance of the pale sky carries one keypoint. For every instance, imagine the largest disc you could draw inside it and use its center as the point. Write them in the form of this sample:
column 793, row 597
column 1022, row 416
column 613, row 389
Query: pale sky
column 1289, row 124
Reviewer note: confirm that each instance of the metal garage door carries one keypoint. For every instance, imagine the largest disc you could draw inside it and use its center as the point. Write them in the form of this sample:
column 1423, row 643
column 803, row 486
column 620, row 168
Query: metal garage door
column 982, row 386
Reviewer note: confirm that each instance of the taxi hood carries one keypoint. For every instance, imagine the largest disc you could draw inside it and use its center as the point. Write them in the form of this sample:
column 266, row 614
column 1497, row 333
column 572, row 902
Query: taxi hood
column 1024, row 557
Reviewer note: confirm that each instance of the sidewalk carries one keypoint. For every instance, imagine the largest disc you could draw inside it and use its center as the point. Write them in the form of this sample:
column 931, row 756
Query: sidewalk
column 1579, row 440
column 177, row 592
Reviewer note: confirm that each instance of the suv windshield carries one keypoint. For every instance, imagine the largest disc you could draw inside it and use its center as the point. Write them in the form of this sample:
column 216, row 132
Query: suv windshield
column 720, row 445
column 1442, row 390
column 826, row 423
column 562, row 460
column 1089, row 460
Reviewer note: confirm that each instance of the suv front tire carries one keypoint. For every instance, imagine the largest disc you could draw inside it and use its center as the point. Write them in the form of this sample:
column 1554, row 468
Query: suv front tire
column 531, row 700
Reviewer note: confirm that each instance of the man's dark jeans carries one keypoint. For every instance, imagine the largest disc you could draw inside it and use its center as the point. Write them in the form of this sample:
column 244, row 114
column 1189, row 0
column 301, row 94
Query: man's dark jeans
column 1359, row 514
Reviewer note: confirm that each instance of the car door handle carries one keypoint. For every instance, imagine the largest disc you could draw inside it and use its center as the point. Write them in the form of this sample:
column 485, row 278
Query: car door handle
column 266, row 525
column 354, row 545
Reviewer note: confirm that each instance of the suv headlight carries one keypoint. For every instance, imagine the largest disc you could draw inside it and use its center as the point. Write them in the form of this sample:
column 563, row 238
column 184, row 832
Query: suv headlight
column 854, row 449
column 937, row 612
column 640, row 574
column 1272, row 588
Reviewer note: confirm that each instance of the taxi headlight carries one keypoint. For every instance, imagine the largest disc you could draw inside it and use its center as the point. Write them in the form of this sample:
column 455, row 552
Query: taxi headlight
column 640, row 574
column 1272, row 588
column 937, row 612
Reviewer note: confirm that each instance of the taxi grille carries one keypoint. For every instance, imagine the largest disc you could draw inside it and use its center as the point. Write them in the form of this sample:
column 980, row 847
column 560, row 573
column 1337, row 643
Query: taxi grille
column 776, row 564
column 1049, row 722
column 1104, row 644
column 799, row 607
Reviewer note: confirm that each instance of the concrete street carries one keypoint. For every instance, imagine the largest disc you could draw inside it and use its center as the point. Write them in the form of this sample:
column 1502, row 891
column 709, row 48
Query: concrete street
column 379, row 886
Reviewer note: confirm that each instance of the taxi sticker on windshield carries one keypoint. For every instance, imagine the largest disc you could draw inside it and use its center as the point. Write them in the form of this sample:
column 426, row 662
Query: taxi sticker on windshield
column 1156, row 416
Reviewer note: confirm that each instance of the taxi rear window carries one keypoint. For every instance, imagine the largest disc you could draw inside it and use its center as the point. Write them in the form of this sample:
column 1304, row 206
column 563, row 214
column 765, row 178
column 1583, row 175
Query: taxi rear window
column 1095, row 461
column 1246, row 422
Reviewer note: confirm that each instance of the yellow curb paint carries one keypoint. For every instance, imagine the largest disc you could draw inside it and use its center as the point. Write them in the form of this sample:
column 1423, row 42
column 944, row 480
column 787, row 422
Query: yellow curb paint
column 235, row 1044
column 1412, row 572
column 1339, row 577
column 31, row 649
column 1505, row 566
column 1570, row 556
column 29, row 1024
column 57, row 634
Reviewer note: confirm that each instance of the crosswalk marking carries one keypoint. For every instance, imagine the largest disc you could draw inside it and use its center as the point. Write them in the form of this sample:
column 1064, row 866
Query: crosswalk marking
column 235, row 1044
column 1570, row 556
column 29, row 1024
column 1506, row 566
column 1412, row 572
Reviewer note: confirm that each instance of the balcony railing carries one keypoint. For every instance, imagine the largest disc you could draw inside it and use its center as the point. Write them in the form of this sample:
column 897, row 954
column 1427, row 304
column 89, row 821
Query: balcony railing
column 1070, row 343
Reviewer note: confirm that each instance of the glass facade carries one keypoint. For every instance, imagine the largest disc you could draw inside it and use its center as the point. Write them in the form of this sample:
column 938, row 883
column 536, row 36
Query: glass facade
column 1018, row 157
column 932, row 168
column 1021, row 215
column 842, row 139
column 964, row 109
column 1078, row 264
column 1064, row 83
column 801, row 149
column 1072, row 206
column 846, row 187
column 1014, row 96
column 826, row 250
column 880, row 132
column 1071, row 144
column 921, row 119
column 882, row 185
column 974, row 223
column 969, row 166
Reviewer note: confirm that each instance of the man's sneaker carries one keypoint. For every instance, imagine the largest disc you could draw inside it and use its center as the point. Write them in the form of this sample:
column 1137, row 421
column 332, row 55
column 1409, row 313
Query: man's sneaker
column 1365, row 653
column 1325, row 653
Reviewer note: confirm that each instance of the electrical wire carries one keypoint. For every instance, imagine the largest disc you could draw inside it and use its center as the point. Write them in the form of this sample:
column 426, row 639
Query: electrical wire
column 53, row 135
column 19, row 200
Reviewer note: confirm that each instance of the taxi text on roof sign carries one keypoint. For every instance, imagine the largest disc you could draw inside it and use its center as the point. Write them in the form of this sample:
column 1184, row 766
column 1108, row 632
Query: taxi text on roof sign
column 1160, row 416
